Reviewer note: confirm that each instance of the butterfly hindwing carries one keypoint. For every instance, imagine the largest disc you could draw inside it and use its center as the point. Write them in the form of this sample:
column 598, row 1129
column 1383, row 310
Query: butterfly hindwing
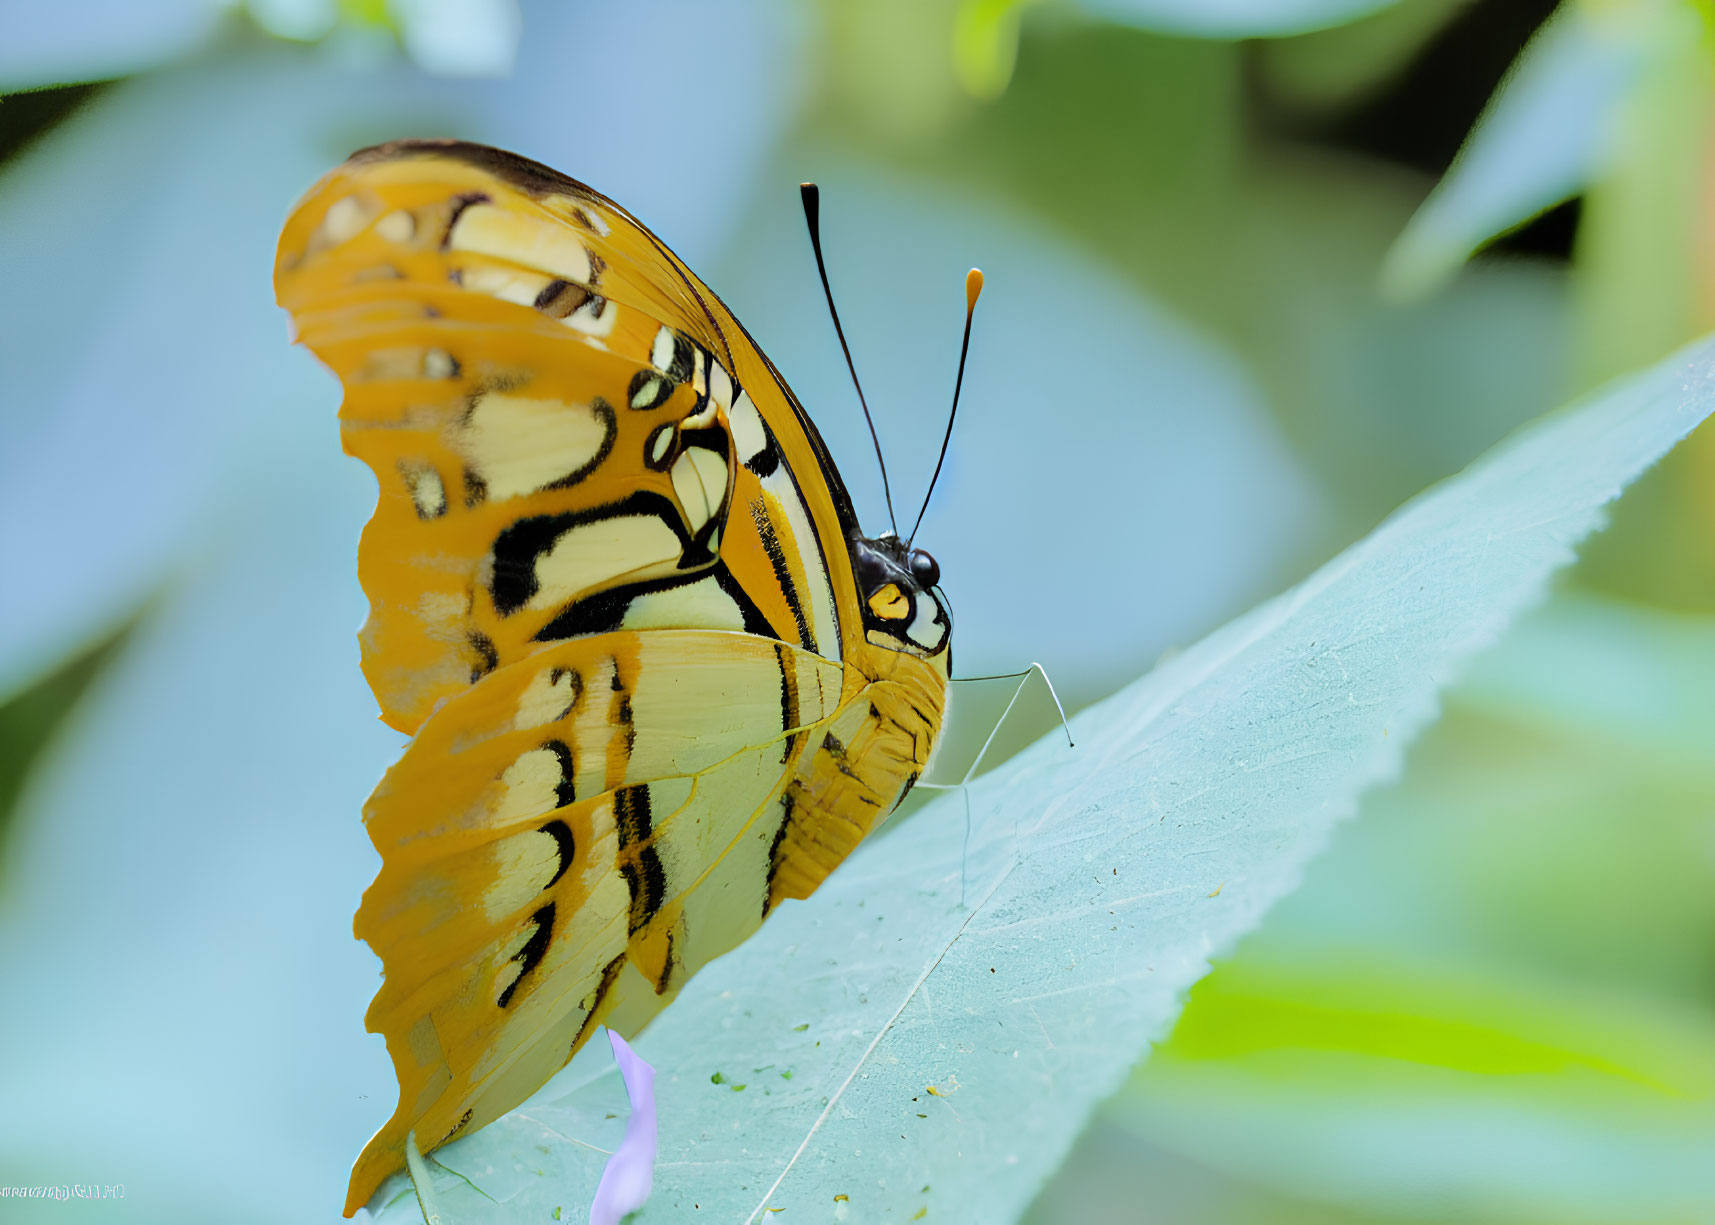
column 562, row 822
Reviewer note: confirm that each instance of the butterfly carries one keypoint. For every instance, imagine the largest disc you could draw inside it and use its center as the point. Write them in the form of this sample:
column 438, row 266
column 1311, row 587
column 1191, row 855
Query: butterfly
column 656, row 678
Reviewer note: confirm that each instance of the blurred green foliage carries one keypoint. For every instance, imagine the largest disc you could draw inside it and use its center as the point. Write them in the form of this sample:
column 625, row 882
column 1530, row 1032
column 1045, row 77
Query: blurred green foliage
column 1497, row 988
column 1145, row 148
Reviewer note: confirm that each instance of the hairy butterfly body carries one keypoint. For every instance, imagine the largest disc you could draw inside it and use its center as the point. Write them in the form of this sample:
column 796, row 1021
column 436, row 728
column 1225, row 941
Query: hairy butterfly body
column 656, row 678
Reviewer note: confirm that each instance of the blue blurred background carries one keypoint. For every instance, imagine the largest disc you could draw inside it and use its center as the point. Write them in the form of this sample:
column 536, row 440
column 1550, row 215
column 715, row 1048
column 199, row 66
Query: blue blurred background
column 1259, row 270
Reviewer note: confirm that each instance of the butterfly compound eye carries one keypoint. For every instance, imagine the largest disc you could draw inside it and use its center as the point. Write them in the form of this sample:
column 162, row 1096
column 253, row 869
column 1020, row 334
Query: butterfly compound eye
column 924, row 568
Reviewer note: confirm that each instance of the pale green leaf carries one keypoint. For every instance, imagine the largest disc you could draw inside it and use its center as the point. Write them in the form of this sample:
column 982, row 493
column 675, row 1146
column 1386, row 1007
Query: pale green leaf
column 954, row 1003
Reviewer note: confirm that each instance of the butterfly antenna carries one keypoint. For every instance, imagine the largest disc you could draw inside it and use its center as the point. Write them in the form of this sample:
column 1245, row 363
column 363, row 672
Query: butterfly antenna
column 973, row 290
column 812, row 196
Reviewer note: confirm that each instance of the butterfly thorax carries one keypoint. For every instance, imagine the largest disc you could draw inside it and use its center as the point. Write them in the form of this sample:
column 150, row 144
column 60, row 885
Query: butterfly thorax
column 864, row 762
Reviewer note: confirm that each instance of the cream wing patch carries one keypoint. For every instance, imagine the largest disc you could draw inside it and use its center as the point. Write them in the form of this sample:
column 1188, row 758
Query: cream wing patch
column 550, row 697
column 591, row 555
column 518, row 444
column 535, row 242
column 700, row 483
column 524, row 865
column 531, row 785
column 428, row 492
column 345, row 219
column 702, row 603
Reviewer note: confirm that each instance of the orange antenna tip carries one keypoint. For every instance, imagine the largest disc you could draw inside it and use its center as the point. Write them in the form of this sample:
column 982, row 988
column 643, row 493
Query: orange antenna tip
column 973, row 288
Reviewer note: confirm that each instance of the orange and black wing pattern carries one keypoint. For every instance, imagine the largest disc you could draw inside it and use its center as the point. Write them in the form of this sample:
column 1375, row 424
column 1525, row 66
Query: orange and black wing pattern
column 610, row 600
column 555, row 409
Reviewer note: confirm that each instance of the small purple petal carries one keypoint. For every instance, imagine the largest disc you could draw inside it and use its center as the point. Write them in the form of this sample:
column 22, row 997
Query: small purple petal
column 630, row 1172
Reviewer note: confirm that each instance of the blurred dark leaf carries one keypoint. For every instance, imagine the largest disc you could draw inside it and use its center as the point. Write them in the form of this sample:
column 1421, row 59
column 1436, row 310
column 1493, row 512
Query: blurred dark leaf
column 1550, row 128
column 1418, row 101
column 29, row 719
column 28, row 116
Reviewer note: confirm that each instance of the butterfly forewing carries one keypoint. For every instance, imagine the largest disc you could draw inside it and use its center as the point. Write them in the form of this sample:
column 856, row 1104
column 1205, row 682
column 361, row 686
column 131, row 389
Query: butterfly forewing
column 610, row 597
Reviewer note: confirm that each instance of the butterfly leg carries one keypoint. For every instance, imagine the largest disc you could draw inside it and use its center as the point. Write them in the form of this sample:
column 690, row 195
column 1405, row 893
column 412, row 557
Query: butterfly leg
column 965, row 852
column 970, row 831
column 989, row 721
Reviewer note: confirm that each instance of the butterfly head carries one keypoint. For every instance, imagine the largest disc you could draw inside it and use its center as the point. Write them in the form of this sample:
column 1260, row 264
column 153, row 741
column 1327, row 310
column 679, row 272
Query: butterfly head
column 898, row 588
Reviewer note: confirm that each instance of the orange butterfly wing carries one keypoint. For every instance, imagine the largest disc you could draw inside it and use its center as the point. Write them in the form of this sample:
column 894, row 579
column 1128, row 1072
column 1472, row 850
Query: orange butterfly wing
column 468, row 299
column 612, row 600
